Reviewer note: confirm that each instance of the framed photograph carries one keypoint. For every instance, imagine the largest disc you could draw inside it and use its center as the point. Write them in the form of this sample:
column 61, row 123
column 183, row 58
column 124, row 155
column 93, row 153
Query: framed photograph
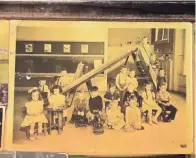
column 84, row 48
column 28, row 48
column 59, row 115
column 66, row 48
column 47, row 48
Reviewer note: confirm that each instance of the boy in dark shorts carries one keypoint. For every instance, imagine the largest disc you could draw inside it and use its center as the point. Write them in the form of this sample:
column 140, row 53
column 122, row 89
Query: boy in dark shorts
column 163, row 99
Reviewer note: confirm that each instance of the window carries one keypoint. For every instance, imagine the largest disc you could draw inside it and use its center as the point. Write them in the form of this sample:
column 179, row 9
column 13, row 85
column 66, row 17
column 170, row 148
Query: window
column 162, row 35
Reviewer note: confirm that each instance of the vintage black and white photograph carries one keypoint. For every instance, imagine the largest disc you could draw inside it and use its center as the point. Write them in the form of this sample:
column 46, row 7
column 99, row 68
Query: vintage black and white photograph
column 101, row 88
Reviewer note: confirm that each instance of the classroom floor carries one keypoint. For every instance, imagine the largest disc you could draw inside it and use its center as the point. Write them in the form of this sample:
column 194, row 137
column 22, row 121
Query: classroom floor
column 165, row 138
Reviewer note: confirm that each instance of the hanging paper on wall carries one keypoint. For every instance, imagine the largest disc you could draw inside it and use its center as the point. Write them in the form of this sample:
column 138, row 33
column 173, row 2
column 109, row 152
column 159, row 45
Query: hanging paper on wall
column 47, row 48
column 28, row 48
column 66, row 48
column 84, row 48
column 97, row 63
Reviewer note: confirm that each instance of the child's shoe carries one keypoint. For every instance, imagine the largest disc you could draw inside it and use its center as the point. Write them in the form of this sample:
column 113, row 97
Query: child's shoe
column 39, row 136
column 142, row 128
column 32, row 137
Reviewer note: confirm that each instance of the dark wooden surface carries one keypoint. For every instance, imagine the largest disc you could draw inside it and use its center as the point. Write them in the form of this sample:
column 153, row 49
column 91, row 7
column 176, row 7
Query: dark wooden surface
column 106, row 10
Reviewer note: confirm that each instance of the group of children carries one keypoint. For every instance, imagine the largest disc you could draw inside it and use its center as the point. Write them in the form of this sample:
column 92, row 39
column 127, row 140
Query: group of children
column 121, row 107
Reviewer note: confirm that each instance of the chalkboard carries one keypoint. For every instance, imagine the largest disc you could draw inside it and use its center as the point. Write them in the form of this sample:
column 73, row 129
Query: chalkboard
column 53, row 64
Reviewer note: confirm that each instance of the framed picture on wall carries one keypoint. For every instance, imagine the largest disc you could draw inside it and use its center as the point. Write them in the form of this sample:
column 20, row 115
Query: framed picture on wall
column 66, row 48
column 84, row 48
column 47, row 48
column 29, row 48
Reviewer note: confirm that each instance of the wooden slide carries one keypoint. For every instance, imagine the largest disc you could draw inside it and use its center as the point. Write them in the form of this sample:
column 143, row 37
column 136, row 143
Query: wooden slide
column 97, row 71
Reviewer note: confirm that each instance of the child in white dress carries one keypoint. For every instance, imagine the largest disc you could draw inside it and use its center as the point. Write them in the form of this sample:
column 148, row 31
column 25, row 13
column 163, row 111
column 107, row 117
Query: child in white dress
column 133, row 116
column 115, row 119
column 35, row 114
column 149, row 103
column 58, row 101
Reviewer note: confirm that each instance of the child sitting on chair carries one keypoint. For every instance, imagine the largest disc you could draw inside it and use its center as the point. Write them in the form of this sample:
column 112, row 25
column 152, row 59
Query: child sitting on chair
column 34, row 109
column 149, row 103
column 57, row 101
column 80, row 106
column 110, row 95
column 133, row 116
column 132, row 79
column 115, row 119
column 163, row 98
column 161, row 78
column 96, row 103
column 128, row 95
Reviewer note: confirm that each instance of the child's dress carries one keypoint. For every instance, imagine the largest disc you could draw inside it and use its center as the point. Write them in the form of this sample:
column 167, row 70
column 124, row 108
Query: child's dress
column 34, row 113
column 133, row 117
column 58, row 102
column 115, row 118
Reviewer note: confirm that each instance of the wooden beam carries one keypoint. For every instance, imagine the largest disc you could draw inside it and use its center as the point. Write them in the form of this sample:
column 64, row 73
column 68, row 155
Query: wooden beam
column 95, row 72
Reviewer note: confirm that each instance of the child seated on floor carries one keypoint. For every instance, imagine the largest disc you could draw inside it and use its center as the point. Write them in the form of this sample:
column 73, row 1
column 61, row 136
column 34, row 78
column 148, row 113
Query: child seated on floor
column 132, row 79
column 115, row 119
column 58, row 101
column 110, row 95
column 133, row 116
column 163, row 98
column 128, row 95
column 80, row 107
column 34, row 109
column 149, row 103
column 96, row 103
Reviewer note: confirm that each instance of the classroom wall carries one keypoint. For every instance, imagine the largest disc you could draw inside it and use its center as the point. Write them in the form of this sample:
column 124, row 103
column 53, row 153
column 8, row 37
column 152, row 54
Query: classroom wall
column 4, row 41
column 117, row 44
column 74, row 34
column 180, row 64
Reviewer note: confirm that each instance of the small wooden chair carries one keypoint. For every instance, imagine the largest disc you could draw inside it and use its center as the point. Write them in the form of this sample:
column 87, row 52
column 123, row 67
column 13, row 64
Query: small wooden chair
column 145, row 115
column 51, row 124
